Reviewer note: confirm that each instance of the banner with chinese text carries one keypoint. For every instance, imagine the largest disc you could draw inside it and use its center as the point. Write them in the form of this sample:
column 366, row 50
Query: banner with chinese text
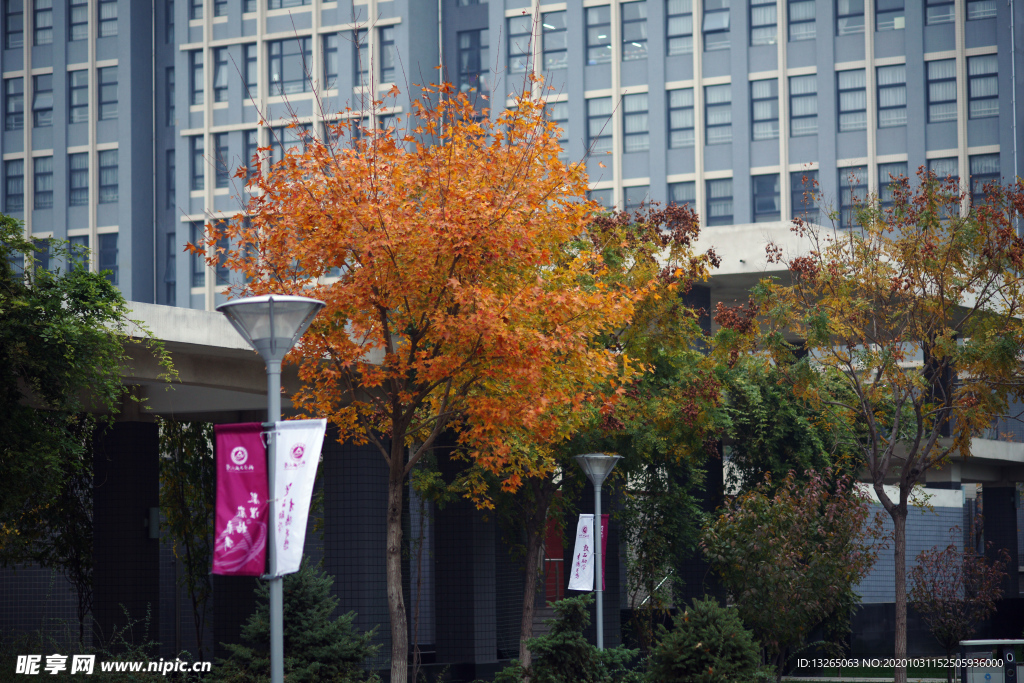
column 581, row 574
column 240, row 527
column 298, row 445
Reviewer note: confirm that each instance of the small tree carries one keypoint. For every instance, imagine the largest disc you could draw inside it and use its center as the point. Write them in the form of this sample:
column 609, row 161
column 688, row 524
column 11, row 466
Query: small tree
column 953, row 590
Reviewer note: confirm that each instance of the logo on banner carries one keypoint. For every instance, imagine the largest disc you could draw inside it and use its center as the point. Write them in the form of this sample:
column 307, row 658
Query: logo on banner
column 298, row 451
column 584, row 530
column 239, row 456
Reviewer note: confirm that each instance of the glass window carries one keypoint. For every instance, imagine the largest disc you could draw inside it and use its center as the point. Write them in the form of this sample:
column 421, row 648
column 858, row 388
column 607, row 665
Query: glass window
column 220, row 74
column 853, row 100
column 982, row 86
column 719, row 193
column 78, row 252
column 172, row 182
column 636, row 196
column 220, row 8
column 14, row 188
column 282, row 4
column 473, row 59
column 108, row 92
column 889, row 15
column 78, row 96
column 767, row 205
column 169, row 21
column 683, row 193
column 981, row 9
column 42, row 100
column 559, row 113
column 803, row 105
column 332, row 68
column 945, row 169
column 220, row 145
column 679, row 27
column 288, row 61
column 195, row 9
column 252, row 81
column 361, row 58
column 716, row 25
column 892, row 96
column 196, row 84
column 802, row 20
column 108, row 175
column 14, row 24
column 599, row 125
column 941, row 90
column 939, row 11
column 849, row 17
column 634, row 123
column 554, row 40
column 197, row 171
column 283, row 139
column 763, row 21
column 170, row 96
column 108, row 18
column 43, row 169
column 170, row 269
column 197, row 232
column 888, row 177
column 252, row 150
column 803, row 188
column 42, row 256
column 984, row 170
column 853, row 191
column 221, row 272
column 520, row 37
column 14, row 103
column 718, row 114
column 106, row 256
column 764, row 105
column 42, row 22
column 467, row 3
column 388, row 56
column 602, row 197
column 634, row 30
column 680, row 118
column 78, row 179
column 78, row 20
column 599, row 35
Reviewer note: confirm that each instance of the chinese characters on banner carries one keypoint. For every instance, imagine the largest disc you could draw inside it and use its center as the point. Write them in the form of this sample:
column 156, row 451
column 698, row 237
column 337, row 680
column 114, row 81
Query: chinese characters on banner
column 241, row 523
column 581, row 577
column 298, row 444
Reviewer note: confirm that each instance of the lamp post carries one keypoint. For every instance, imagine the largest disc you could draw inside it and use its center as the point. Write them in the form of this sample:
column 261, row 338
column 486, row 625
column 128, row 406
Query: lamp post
column 597, row 467
column 272, row 324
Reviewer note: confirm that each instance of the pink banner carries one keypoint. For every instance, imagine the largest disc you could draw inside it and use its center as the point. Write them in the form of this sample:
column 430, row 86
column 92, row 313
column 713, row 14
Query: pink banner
column 604, row 551
column 241, row 523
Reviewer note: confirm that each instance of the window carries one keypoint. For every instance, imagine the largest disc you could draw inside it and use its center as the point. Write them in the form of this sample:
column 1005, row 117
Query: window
column 467, row 3
column 108, row 176
column 220, row 146
column 634, row 123
column 802, row 20
column 718, row 114
column 980, row 9
column 361, row 58
column 520, row 35
column 198, row 278
column 220, row 74
column 941, row 90
column 285, row 138
column 252, row 71
column 78, row 20
column 170, row 269
column 889, row 15
column 888, row 177
column 251, row 150
column 636, row 196
column 853, row 190
column 803, row 187
column 108, row 18
column 982, row 87
column 849, row 17
column 892, row 96
column 221, row 271
column 14, row 104
column 220, row 8
column 282, row 4
column 767, row 206
column 554, row 40
column 197, row 166
column 939, row 12
column 331, row 66
column 42, row 22
column 559, row 113
column 14, row 189
column 195, row 9
column 78, row 96
column 683, row 193
column 599, row 35
column 42, row 256
column 716, row 25
column 945, row 170
column 853, row 100
column 14, row 24
column 679, row 23
column 803, row 105
column 763, row 21
column 599, row 129
column 108, row 92
column 473, row 57
column 169, row 21
column 78, row 252
column 170, row 96
column 764, row 103
column 602, row 197
column 42, row 100
column 680, row 118
column 43, row 195
column 984, row 170
column 634, row 30
column 388, row 56
column 78, row 179
column 719, row 202
column 107, row 256
column 172, row 182
column 288, row 61
column 196, row 83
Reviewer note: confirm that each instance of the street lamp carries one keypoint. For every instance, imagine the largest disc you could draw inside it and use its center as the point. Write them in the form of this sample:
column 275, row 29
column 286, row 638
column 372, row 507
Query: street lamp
column 272, row 324
column 597, row 467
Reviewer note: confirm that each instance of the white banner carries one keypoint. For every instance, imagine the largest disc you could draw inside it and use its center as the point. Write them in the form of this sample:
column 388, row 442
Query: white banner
column 298, row 454
column 581, row 576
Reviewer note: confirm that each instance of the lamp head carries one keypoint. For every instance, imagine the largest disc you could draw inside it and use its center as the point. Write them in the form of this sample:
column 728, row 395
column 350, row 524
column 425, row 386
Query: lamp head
column 597, row 466
column 271, row 323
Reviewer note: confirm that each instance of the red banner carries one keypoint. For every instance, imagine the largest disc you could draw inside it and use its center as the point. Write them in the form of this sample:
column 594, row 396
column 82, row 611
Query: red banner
column 241, row 524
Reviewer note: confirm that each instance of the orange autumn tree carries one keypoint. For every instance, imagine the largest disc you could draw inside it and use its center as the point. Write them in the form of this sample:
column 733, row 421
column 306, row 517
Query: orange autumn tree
column 452, row 300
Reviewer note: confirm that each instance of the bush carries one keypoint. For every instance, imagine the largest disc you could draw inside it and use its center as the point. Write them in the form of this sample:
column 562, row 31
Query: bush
column 708, row 644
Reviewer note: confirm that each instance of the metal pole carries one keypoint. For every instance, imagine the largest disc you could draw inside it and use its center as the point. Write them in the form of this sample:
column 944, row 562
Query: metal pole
column 276, row 587
column 598, row 578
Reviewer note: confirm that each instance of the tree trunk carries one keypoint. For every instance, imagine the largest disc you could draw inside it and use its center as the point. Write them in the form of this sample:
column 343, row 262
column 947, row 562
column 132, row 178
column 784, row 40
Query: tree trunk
column 899, row 519
column 534, row 551
column 396, row 602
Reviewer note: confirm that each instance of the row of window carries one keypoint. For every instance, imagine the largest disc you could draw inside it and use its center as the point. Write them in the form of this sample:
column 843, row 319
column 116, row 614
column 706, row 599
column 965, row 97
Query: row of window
column 42, row 98
column 78, row 246
column 42, row 21
column 78, row 181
